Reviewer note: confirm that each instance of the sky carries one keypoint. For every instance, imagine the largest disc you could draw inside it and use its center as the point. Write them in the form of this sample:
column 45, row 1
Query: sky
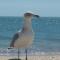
column 44, row 8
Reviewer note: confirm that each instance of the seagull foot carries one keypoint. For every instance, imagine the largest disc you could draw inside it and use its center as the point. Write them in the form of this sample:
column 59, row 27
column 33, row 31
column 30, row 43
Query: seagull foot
column 15, row 59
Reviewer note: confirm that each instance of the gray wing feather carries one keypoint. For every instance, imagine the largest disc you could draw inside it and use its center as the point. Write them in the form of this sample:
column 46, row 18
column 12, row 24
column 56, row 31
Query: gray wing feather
column 16, row 36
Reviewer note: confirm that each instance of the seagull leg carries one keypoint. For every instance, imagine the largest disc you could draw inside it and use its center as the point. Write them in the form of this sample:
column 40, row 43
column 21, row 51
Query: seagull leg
column 18, row 53
column 26, row 53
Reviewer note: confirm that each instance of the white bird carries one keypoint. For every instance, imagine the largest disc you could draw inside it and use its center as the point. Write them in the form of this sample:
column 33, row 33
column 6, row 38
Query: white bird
column 24, row 38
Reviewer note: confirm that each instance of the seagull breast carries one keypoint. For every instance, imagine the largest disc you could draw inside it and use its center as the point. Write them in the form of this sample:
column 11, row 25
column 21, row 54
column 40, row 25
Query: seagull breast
column 25, row 40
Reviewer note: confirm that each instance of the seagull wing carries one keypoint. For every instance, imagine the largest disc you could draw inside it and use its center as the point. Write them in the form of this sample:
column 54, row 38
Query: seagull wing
column 15, row 37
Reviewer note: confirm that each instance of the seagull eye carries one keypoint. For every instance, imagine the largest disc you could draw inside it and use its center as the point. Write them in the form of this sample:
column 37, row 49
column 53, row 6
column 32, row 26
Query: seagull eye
column 28, row 14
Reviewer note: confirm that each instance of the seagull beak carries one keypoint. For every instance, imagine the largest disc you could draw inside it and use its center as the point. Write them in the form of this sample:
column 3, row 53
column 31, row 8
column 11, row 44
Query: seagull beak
column 37, row 16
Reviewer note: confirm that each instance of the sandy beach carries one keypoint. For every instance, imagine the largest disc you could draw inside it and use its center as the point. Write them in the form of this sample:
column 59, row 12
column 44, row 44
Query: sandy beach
column 41, row 57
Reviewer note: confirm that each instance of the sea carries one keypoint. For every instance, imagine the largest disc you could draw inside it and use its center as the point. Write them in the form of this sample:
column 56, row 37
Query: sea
column 46, row 29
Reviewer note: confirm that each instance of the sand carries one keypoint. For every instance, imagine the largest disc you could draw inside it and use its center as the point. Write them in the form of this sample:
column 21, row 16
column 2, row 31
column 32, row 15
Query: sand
column 41, row 57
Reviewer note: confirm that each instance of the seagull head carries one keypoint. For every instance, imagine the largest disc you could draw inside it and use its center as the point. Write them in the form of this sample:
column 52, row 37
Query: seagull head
column 29, row 15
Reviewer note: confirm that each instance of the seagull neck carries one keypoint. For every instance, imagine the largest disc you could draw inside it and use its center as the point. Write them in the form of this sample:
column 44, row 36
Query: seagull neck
column 27, row 24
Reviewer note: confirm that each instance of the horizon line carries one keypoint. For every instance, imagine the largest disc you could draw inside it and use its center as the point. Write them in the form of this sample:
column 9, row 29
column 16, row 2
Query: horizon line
column 22, row 16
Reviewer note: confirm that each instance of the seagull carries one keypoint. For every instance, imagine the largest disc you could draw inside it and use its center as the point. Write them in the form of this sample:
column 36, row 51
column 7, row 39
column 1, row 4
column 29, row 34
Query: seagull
column 24, row 39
